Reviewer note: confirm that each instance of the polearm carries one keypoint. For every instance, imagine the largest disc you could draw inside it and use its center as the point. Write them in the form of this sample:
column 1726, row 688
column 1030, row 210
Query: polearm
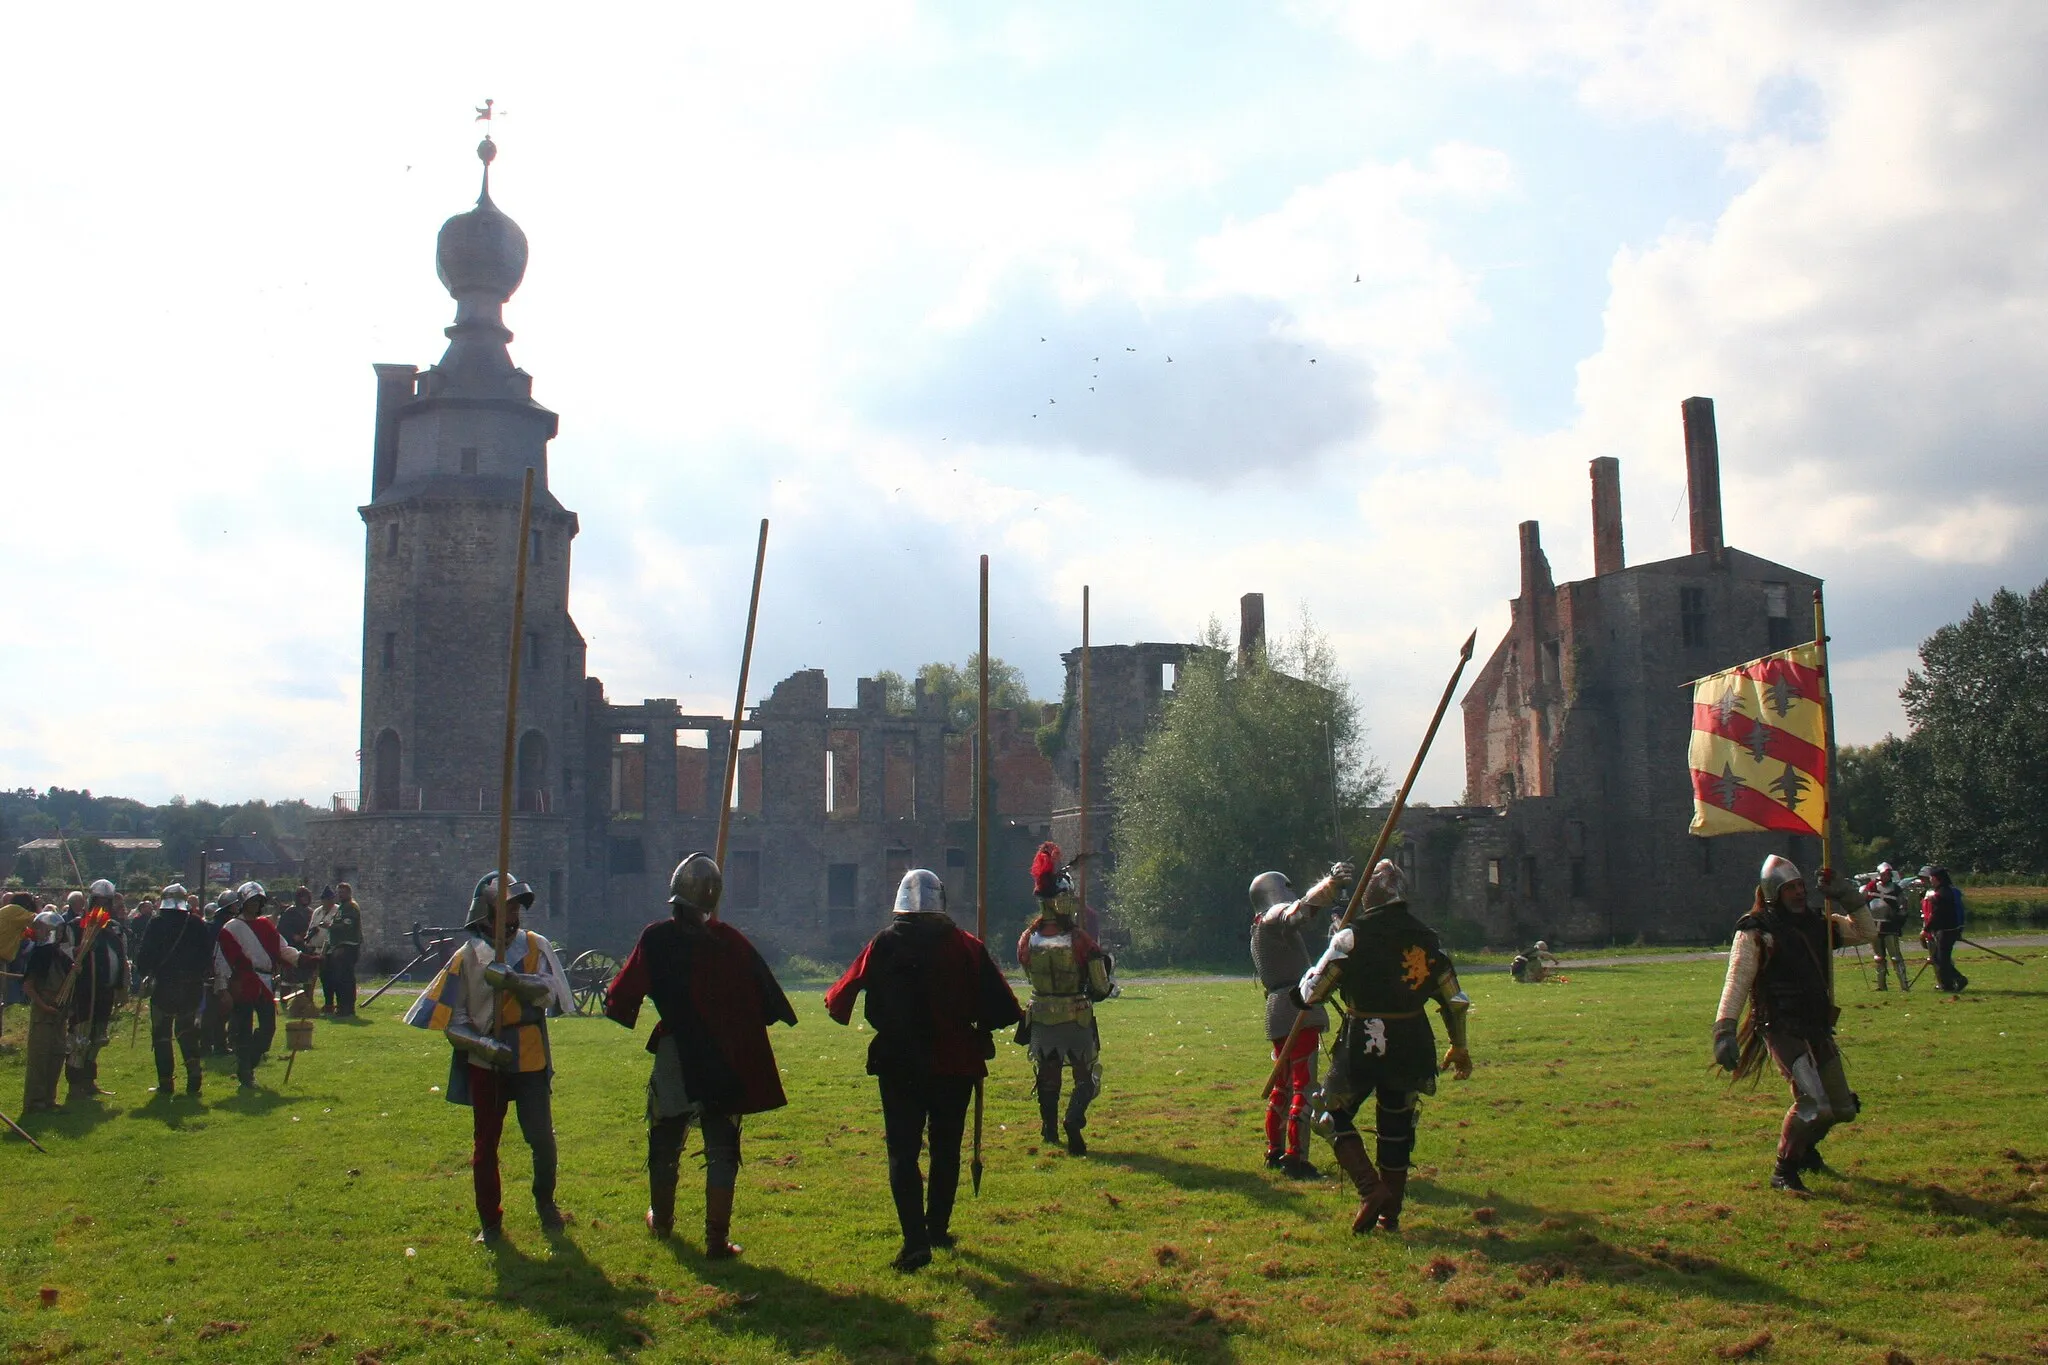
column 1379, row 848
column 739, row 709
column 981, row 845
column 23, row 1132
column 1081, row 854
column 1827, row 721
column 1993, row 951
column 508, row 773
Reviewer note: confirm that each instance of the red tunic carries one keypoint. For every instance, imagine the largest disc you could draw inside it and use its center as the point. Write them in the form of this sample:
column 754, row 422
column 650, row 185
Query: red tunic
column 716, row 998
column 934, row 995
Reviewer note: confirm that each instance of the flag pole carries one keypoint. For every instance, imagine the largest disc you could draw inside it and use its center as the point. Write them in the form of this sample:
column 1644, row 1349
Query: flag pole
column 981, row 844
column 1827, row 788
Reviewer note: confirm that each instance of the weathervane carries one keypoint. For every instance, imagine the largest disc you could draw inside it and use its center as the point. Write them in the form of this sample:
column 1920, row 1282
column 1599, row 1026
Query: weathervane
column 487, row 150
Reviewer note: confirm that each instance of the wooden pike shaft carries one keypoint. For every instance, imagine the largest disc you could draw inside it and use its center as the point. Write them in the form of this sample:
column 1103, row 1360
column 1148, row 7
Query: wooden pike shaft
column 23, row 1133
column 739, row 706
column 1379, row 847
column 508, row 772
column 1081, row 853
column 1827, row 720
column 981, row 828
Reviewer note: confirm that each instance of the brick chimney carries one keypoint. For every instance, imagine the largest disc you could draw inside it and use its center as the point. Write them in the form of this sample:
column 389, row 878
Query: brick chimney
column 1536, row 584
column 1251, row 627
column 1607, row 555
column 1703, row 475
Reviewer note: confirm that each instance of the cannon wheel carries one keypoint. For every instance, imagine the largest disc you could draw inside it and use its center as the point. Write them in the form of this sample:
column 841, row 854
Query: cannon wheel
column 589, row 974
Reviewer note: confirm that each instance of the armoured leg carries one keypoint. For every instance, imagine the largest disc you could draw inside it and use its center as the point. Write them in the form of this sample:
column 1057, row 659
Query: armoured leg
column 1349, row 1146
column 537, row 1126
column 1050, row 1065
column 665, row 1140
column 1812, row 1112
column 1883, row 956
column 1899, row 964
column 1396, row 1118
column 487, row 1125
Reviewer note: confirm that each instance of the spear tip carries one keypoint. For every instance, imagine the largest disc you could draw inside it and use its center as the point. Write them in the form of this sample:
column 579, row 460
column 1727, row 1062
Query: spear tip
column 1470, row 640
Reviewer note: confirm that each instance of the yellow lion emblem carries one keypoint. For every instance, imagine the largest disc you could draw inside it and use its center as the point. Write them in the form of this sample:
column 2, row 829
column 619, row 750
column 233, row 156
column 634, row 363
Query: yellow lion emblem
column 1415, row 967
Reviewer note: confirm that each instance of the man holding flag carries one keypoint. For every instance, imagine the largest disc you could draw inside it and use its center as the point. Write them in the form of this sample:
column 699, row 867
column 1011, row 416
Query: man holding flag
column 1762, row 737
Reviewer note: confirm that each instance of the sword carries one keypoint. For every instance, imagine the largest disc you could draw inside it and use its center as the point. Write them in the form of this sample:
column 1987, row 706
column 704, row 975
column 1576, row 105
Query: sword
column 24, row 1134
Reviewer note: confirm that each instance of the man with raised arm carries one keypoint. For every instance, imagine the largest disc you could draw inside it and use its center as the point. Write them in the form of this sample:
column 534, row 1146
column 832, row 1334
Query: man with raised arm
column 1384, row 967
column 1279, row 957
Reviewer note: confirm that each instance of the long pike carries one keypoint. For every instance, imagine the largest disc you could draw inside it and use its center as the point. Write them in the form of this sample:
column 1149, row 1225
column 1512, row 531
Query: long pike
column 1379, row 848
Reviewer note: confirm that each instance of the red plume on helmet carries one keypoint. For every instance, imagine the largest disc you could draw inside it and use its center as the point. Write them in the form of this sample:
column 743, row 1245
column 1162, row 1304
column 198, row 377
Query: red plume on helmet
column 1045, row 871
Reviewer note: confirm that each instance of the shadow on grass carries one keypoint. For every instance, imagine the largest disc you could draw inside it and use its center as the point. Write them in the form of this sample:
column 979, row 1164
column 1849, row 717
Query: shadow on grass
column 1546, row 1245
column 1200, row 1176
column 1940, row 1201
column 1029, row 1310
column 802, row 1318
column 569, row 1290
column 68, row 1120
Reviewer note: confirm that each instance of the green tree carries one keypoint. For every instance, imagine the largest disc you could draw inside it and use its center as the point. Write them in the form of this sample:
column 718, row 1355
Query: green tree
column 1976, row 768
column 1235, row 779
column 959, row 689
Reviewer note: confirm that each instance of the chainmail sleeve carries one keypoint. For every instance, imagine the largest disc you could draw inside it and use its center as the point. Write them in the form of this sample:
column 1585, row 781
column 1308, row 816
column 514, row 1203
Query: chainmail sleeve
column 1745, row 956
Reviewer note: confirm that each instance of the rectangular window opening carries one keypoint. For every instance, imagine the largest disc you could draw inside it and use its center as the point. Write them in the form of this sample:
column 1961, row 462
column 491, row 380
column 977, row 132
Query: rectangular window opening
column 1493, row 872
column 1692, row 617
column 1169, row 677
column 743, row 878
column 556, row 896
column 469, row 459
column 391, row 538
column 532, row 649
column 1553, row 661
column 1579, row 877
column 629, row 776
column 1529, row 876
column 842, row 886
column 746, row 789
column 842, row 774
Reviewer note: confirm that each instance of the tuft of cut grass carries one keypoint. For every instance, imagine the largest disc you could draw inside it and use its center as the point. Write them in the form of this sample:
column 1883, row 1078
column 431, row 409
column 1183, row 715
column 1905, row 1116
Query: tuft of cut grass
column 1595, row 1192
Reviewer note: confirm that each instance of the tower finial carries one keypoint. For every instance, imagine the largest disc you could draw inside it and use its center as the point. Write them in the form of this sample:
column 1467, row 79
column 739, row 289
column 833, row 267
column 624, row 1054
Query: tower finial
column 487, row 150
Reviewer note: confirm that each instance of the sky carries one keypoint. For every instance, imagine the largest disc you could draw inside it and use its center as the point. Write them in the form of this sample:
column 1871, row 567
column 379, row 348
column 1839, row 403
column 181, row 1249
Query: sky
column 1178, row 302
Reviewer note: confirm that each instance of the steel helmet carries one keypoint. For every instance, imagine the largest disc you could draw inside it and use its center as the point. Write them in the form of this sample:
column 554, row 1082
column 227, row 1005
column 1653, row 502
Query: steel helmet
column 175, row 895
column 1777, row 873
column 696, row 884
column 483, row 901
column 920, row 892
column 1269, row 889
column 251, row 896
column 101, row 892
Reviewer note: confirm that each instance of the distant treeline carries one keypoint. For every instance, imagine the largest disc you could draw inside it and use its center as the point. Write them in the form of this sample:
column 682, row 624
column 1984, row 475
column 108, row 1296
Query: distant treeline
column 182, row 825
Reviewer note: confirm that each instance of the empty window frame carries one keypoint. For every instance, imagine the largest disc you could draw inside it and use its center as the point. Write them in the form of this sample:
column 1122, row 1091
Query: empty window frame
column 390, row 654
column 1529, row 887
column 842, row 774
column 842, row 886
column 1778, row 616
column 899, row 777
column 629, row 777
column 693, row 773
column 391, row 538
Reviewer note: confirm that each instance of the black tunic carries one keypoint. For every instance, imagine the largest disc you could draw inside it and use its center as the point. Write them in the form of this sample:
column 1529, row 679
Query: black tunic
column 1791, row 989
column 177, row 951
column 1385, row 1039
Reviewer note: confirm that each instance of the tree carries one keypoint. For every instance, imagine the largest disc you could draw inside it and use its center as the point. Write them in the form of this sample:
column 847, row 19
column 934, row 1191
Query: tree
column 959, row 689
column 1234, row 779
column 1976, row 766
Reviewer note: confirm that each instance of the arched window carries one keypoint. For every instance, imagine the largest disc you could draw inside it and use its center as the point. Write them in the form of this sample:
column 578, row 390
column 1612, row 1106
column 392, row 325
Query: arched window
column 533, row 771
column 384, row 779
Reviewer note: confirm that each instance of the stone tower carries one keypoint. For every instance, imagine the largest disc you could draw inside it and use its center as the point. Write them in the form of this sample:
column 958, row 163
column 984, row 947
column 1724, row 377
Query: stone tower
column 452, row 444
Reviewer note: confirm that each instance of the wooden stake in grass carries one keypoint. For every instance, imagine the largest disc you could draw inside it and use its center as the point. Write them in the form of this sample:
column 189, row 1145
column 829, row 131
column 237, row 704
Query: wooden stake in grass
column 981, row 844
column 739, row 709
column 511, row 731
column 1278, row 1077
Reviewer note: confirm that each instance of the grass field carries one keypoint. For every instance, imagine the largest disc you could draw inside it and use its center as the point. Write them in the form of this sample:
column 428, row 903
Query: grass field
column 1594, row 1193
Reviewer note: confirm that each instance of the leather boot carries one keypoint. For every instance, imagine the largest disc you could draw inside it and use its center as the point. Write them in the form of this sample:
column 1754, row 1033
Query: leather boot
column 1397, row 1190
column 1350, row 1150
column 661, row 1206
column 718, row 1223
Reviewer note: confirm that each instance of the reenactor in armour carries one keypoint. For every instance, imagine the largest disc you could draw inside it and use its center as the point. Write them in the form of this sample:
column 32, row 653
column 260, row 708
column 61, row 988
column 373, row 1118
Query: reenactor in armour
column 1279, row 957
column 713, row 1063
column 1887, row 897
column 1069, row 975
column 176, row 962
column 1778, row 965
column 1384, row 966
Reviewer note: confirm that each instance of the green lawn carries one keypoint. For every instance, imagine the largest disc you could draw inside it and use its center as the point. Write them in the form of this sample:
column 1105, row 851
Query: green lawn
column 1594, row 1193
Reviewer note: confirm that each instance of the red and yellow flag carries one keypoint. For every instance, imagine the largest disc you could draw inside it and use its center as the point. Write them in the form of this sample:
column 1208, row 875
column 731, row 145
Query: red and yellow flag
column 1759, row 746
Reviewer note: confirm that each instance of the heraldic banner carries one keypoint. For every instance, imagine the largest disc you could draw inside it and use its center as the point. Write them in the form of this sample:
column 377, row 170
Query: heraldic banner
column 1759, row 746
